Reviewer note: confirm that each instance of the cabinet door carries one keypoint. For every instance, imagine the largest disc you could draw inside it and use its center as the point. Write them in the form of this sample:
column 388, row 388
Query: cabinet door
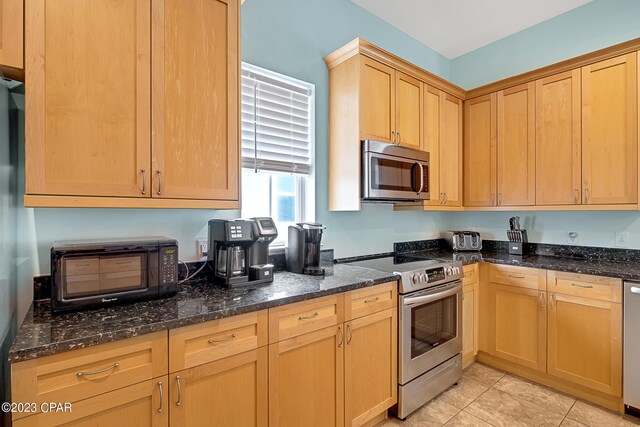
column 306, row 385
column 519, row 325
column 432, row 126
column 408, row 111
column 142, row 405
column 585, row 342
column 11, row 33
column 88, row 97
column 377, row 101
column 558, row 140
column 610, row 131
column 229, row 392
column 451, row 150
column 470, row 322
column 195, row 99
column 480, row 151
column 516, row 146
column 371, row 368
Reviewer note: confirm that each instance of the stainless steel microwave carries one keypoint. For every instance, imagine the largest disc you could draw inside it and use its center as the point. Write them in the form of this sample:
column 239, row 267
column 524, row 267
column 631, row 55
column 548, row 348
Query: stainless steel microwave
column 104, row 272
column 392, row 173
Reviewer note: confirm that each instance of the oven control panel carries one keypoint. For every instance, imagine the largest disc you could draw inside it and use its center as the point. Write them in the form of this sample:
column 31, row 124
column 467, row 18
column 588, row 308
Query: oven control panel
column 434, row 275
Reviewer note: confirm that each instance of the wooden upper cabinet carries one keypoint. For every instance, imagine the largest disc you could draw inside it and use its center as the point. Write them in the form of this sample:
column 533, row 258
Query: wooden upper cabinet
column 88, row 98
column 516, row 146
column 558, row 140
column 408, row 111
column 378, row 97
column 451, row 151
column 480, row 133
column 610, row 131
column 195, row 99
column 11, row 34
column 432, row 124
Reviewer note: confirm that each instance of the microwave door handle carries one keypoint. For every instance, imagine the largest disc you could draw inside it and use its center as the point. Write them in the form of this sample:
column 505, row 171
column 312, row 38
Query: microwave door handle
column 421, row 177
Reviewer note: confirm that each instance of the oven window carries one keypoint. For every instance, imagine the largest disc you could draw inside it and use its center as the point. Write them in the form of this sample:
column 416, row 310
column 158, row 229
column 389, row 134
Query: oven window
column 433, row 324
column 394, row 175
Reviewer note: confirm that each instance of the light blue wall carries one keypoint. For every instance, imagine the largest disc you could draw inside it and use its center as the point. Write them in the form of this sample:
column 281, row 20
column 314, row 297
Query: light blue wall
column 593, row 26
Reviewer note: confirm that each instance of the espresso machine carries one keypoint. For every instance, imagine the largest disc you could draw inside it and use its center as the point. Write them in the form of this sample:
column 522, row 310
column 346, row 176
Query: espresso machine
column 303, row 252
column 239, row 250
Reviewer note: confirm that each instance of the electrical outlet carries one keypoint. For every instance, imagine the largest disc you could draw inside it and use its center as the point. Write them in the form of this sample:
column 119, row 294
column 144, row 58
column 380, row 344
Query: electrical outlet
column 573, row 238
column 622, row 239
column 201, row 247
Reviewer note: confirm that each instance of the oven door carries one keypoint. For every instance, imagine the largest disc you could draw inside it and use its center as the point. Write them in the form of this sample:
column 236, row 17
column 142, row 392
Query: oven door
column 430, row 329
column 391, row 178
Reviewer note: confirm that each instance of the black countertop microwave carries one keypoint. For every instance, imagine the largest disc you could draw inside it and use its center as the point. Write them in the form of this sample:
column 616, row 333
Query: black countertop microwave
column 96, row 273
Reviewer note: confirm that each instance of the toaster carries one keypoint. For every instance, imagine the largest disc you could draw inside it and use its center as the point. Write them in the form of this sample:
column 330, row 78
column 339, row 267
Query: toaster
column 464, row 240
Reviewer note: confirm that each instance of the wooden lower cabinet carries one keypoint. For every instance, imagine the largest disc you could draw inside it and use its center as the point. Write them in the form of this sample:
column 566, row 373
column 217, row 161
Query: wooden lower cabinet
column 141, row 405
column 518, row 320
column 370, row 366
column 585, row 342
column 470, row 322
column 306, row 374
column 228, row 392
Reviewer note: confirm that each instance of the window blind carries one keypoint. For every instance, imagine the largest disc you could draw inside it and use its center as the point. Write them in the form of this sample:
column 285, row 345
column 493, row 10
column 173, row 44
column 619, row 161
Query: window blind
column 277, row 122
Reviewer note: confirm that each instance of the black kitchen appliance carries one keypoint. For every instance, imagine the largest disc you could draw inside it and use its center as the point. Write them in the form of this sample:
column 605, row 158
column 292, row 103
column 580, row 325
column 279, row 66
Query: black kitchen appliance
column 517, row 236
column 94, row 273
column 303, row 252
column 238, row 251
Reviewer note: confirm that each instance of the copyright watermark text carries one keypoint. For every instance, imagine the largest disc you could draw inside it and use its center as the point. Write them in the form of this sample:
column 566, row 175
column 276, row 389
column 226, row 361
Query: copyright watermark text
column 33, row 407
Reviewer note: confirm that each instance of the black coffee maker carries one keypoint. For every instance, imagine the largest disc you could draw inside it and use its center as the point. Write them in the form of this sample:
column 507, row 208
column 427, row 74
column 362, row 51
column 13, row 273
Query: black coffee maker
column 238, row 251
column 303, row 252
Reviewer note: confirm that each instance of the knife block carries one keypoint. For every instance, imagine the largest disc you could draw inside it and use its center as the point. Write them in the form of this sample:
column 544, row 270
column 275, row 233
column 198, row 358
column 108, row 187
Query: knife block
column 517, row 240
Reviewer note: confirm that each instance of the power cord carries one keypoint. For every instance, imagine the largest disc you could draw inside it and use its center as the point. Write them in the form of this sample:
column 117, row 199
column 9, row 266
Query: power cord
column 190, row 276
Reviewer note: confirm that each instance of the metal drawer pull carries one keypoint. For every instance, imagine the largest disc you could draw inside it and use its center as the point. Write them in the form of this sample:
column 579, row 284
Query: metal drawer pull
column 587, row 194
column 159, row 183
column 541, row 299
column 179, row 401
column 635, row 290
column 372, row 300
column 350, row 333
column 144, row 181
column 516, row 277
column 161, row 396
column 551, row 301
column 108, row 368
column 577, row 285
column 316, row 314
column 341, row 336
column 576, row 196
column 230, row 337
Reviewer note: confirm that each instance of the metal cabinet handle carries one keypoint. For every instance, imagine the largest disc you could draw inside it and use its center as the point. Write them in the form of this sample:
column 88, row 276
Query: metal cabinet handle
column 499, row 199
column 541, row 299
column 635, row 290
column 108, row 368
column 159, row 182
column 587, row 194
column 398, row 133
column 341, row 336
column 441, row 198
column 552, row 299
column 372, row 300
column 144, row 181
column 230, row 337
column 393, row 136
column 179, row 401
column 516, row 277
column 576, row 196
column 446, row 199
column 578, row 285
column 308, row 317
column 493, row 199
column 161, row 397
column 350, row 333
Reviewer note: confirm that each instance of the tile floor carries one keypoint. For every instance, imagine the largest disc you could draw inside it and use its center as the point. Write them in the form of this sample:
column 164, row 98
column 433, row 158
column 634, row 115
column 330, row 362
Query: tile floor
column 487, row 397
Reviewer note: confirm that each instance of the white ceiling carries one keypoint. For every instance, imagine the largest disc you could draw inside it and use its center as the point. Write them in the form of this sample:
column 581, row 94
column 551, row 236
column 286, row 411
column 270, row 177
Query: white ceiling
column 455, row 27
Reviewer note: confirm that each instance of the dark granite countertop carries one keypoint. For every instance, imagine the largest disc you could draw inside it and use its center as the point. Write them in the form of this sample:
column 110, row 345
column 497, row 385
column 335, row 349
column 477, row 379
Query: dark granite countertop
column 42, row 333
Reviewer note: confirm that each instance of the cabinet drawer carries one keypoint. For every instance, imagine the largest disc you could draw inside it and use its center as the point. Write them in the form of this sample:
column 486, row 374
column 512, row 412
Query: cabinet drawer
column 79, row 374
column 522, row 277
column 300, row 318
column 583, row 285
column 206, row 342
column 361, row 302
column 470, row 274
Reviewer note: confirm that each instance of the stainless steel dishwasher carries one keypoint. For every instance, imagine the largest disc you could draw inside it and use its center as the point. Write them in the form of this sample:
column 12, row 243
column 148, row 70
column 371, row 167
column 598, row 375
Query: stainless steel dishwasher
column 631, row 376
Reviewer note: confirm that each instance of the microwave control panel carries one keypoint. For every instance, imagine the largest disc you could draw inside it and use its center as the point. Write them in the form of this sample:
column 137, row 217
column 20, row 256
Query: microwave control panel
column 168, row 265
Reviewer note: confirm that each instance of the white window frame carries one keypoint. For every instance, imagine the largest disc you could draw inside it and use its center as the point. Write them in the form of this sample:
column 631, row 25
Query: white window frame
column 305, row 184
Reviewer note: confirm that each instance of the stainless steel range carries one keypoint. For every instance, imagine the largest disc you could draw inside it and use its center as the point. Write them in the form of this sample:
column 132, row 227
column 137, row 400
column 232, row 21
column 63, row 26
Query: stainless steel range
column 430, row 327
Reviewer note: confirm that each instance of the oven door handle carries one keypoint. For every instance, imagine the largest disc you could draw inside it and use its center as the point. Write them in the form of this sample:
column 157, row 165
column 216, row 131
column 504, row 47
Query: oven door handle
column 432, row 297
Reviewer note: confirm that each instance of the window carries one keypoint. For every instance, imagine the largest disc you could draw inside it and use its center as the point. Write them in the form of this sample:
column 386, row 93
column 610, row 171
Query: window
column 278, row 137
